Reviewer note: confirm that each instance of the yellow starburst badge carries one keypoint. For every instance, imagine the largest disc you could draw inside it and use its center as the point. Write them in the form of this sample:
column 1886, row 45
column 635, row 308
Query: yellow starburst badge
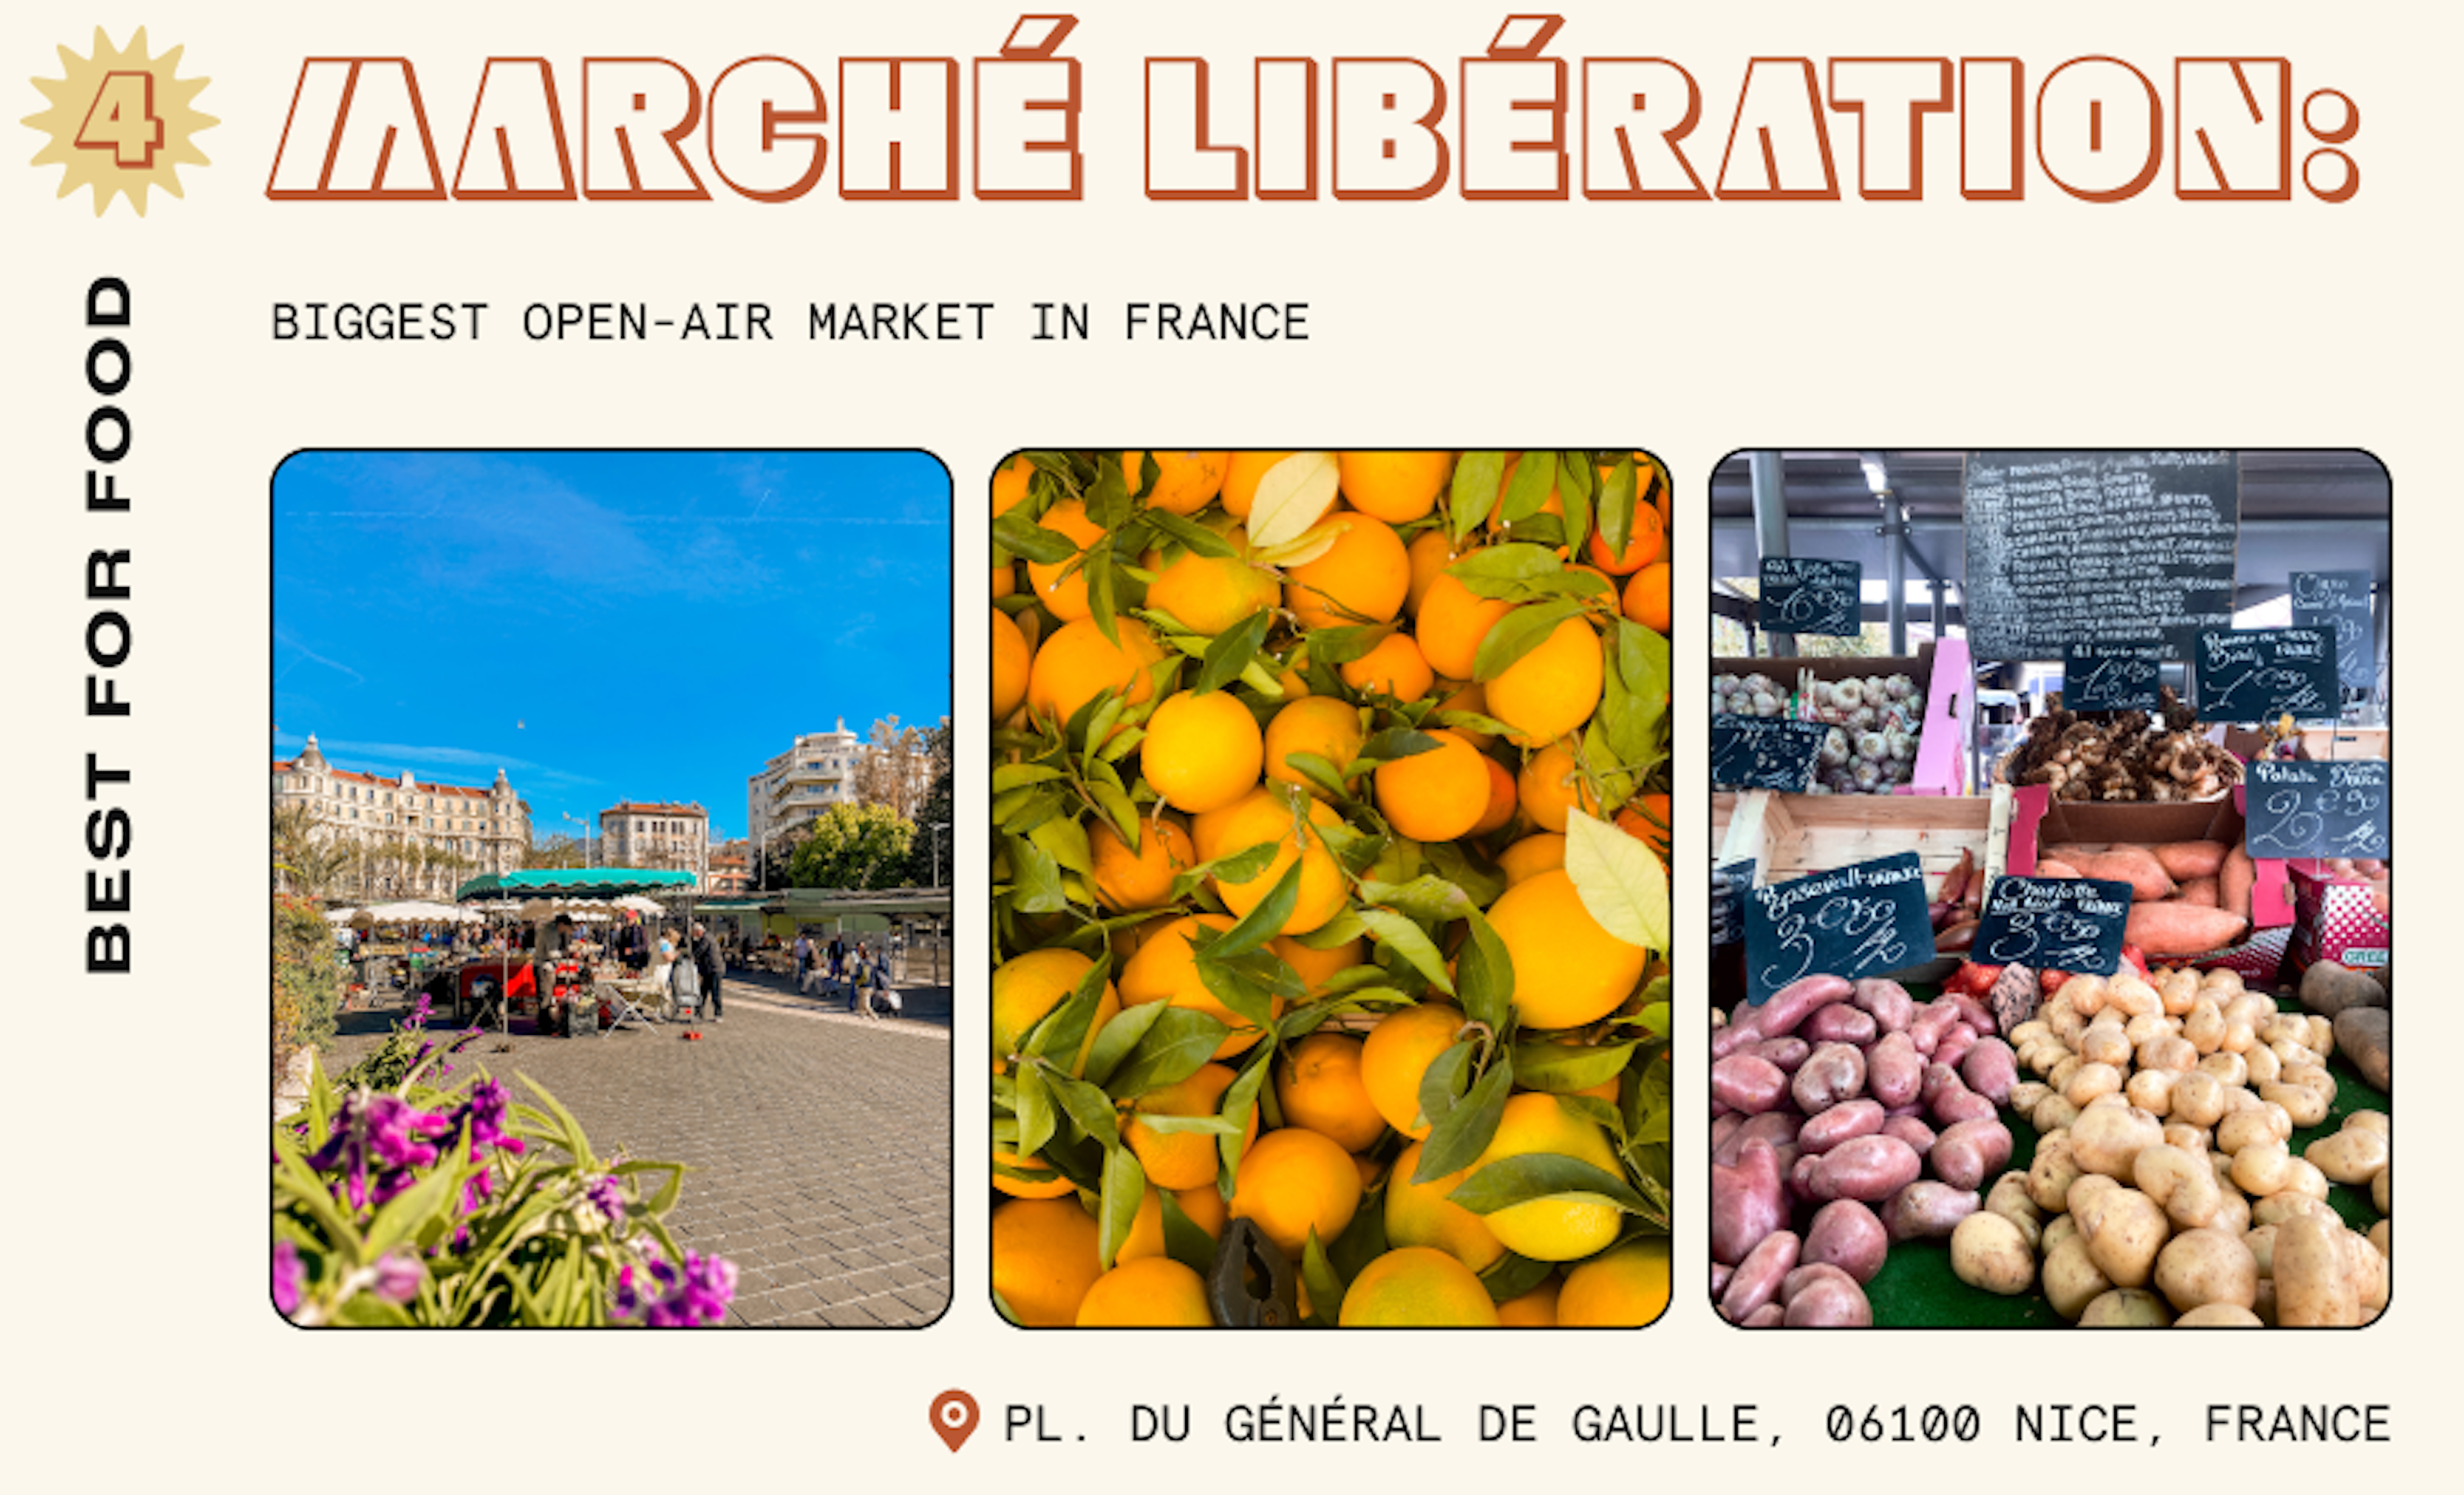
column 121, row 121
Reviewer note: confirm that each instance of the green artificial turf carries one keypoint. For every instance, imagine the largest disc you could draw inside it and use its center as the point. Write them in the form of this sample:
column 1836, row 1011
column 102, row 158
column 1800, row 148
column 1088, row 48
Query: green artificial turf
column 1915, row 1289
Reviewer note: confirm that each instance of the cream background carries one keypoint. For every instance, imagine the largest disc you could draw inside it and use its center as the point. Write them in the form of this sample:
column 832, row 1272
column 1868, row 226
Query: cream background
column 141, row 1343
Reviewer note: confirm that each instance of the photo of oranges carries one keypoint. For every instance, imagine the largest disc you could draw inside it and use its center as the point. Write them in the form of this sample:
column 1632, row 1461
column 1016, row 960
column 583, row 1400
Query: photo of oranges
column 1330, row 826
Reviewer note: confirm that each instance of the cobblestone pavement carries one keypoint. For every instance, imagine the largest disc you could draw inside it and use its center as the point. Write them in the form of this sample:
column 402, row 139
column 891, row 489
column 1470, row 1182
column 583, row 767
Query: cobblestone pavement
column 818, row 1143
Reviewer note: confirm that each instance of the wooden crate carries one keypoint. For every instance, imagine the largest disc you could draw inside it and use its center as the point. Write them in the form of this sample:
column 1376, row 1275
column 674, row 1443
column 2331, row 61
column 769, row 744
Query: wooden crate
column 1790, row 835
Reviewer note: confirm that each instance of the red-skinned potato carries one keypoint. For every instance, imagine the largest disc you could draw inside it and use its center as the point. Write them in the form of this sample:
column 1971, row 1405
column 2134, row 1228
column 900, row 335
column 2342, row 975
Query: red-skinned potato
column 1894, row 1071
column 1839, row 1023
column 1757, row 1277
column 1870, row 1169
column 1927, row 1210
column 1841, row 1123
column 1747, row 1203
column 1847, row 1235
column 1970, row 1152
column 1833, row 1073
column 1991, row 1070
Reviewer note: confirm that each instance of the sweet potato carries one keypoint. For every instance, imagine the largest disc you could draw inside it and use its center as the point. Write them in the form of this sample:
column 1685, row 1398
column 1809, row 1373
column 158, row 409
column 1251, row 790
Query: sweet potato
column 2136, row 866
column 2054, row 867
column 2234, row 882
column 2202, row 891
column 2361, row 1035
column 2182, row 929
column 2329, row 988
column 2185, row 860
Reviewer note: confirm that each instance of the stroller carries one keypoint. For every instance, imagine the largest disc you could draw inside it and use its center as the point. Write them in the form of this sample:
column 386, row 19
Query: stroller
column 683, row 991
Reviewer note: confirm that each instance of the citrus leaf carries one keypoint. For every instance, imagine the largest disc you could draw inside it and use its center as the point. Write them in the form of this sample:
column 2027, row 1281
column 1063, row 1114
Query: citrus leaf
column 1456, row 1142
column 1343, row 646
column 1320, row 773
column 1241, row 866
column 1511, row 1276
column 1573, row 474
column 1035, row 1114
column 1392, row 743
column 1184, row 1240
column 1443, row 1081
column 1406, row 939
column 1175, row 1126
column 1087, row 1106
column 1231, row 653
column 1125, row 1187
column 1103, row 583
column 1621, row 884
column 1292, row 496
column 1191, row 534
column 1617, row 505
column 1063, row 1031
column 1563, row 1069
column 1480, row 882
column 1528, row 490
column 1174, row 1047
column 1483, row 973
column 1030, row 541
column 1313, row 543
column 1325, row 1290
column 1018, row 776
column 1262, row 920
column 1547, row 1176
column 1035, row 886
column 1474, row 493
column 1427, row 899
column 1504, row 563
column 1108, row 496
column 1240, row 1104
column 1517, row 634
column 1115, row 1039
column 1118, row 807
column 1066, row 840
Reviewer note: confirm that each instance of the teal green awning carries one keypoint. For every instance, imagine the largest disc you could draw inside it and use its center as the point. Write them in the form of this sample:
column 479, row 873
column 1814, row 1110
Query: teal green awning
column 574, row 882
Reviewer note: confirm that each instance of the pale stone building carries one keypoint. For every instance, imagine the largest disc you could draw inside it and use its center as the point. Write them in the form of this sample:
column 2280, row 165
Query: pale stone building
column 676, row 837
column 412, row 839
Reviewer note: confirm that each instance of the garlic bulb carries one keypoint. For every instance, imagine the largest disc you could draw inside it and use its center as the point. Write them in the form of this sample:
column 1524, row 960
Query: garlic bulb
column 1848, row 694
column 1835, row 749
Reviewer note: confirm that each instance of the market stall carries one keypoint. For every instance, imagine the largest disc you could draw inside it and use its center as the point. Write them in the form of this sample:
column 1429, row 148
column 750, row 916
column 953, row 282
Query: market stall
column 2051, row 886
column 562, row 975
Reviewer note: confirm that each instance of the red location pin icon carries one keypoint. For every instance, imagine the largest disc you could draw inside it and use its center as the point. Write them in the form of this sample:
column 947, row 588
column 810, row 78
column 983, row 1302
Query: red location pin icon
column 955, row 1416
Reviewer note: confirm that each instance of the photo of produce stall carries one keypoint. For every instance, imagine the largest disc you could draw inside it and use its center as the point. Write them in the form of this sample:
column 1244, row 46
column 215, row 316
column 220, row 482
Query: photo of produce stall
column 1330, row 811
column 2051, row 957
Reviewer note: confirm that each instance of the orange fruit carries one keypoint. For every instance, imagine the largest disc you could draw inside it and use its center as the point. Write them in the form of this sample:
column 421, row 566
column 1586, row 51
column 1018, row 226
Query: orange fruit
column 1501, row 799
column 1435, row 796
column 1552, row 690
column 1534, row 1310
column 1203, row 1205
column 1453, row 620
column 1468, row 697
column 1005, row 580
column 1293, row 1181
column 1420, row 1215
column 1012, row 660
column 1551, row 784
column 1646, row 597
column 1151, row 1292
column 1551, row 1229
column 1050, row 1184
column 1265, row 815
column 1365, row 572
column 1126, row 880
column 1626, row 1288
column 1417, row 1288
column 1319, row 724
column 1065, row 595
column 1315, row 967
column 1240, row 479
column 1643, row 544
column 1395, row 486
column 1165, row 969
column 1568, row 970
column 1647, row 820
column 1078, row 663
column 1210, row 594
column 1429, row 555
column 1009, row 483
column 1029, row 986
column 1201, row 751
column 1398, row 1054
column 1182, row 1159
column 1530, row 856
column 1394, row 668
column 1045, row 1255
column 1185, row 481
column 1317, row 1084
column 1555, row 503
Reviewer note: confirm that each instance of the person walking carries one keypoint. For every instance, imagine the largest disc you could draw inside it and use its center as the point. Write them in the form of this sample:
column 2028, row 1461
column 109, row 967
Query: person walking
column 712, row 966
column 803, row 956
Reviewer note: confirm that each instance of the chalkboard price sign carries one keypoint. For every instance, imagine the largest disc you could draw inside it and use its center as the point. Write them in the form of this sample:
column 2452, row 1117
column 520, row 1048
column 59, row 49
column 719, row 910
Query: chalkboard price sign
column 2076, row 547
column 2112, row 677
column 2073, row 924
column 2258, row 674
column 1804, row 595
column 2317, row 809
column 1764, row 752
column 2339, row 600
column 1863, row 919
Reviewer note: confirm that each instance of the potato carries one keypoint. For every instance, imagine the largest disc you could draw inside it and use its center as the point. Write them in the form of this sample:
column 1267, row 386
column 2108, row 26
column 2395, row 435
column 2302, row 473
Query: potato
column 2277, row 1208
column 2131, row 996
column 2181, row 1182
column 2260, row 1066
column 2315, row 1281
column 2178, row 991
column 2052, row 1113
column 2383, row 1190
column 2197, row 1098
column 2105, row 1044
column 1749, row 1082
column 2087, row 1194
column 1988, row 1251
column 2054, row 1171
column 2263, row 1123
column 1847, row 1235
column 2106, row 1138
column 2189, row 1139
column 2071, row 1280
column 2058, row 1229
column 2083, row 994
column 1757, row 1277
column 2124, row 1236
column 1748, row 1201
column 2025, row 1096
column 2303, row 1176
column 2203, row 1026
column 2232, row 1210
column 2140, row 1029
column 1833, row 1073
column 2219, row 1316
column 2010, row 1199
column 1868, row 1168
column 2198, row 1267
column 1991, row 1070
column 1968, row 1153
column 1841, row 1123
column 1829, row 1303
column 2059, row 1075
column 2228, row 1068
column 1927, row 1210
column 2367, row 1267
column 2381, row 1238
column 2168, row 1052
column 2369, row 1121
column 2262, row 1167
column 2151, row 1090
column 2352, row 1156
column 1894, row 1071
column 2126, row 1308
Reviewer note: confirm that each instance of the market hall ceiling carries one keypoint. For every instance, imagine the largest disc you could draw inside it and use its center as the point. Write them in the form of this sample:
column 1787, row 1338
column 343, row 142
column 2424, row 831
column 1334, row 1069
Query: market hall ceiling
column 2306, row 510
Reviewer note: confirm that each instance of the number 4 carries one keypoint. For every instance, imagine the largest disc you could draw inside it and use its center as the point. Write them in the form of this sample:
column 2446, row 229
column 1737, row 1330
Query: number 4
column 121, row 120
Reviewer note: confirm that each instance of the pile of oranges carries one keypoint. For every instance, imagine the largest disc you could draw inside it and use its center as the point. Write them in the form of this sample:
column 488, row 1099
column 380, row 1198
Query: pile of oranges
column 1330, row 915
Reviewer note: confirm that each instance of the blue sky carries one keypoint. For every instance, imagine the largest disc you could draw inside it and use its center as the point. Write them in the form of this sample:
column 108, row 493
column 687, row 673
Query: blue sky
column 604, row 626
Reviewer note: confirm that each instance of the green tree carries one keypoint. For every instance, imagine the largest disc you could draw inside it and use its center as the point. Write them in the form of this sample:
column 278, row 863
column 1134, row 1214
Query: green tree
column 934, row 809
column 558, row 850
column 852, row 846
column 304, row 862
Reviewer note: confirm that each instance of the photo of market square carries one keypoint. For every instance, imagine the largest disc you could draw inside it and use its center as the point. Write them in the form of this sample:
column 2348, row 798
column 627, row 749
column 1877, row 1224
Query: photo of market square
column 1330, row 828
column 611, row 920
column 2052, row 947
